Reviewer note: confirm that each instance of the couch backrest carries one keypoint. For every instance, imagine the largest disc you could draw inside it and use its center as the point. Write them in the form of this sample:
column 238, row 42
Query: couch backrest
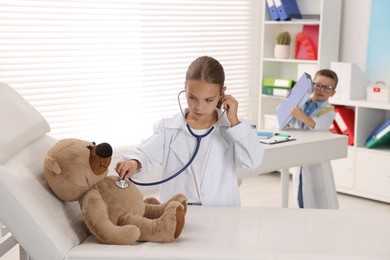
column 46, row 227
column 20, row 124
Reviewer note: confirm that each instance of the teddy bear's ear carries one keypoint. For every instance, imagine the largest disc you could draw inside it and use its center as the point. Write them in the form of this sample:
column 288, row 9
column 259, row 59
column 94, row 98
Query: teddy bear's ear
column 51, row 164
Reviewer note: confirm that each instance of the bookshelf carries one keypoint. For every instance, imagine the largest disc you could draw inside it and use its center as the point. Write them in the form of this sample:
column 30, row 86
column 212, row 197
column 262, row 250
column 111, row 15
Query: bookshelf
column 327, row 15
column 365, row 172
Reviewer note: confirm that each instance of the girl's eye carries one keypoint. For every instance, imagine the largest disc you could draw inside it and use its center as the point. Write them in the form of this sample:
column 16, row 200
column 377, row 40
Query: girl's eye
column 209, row 100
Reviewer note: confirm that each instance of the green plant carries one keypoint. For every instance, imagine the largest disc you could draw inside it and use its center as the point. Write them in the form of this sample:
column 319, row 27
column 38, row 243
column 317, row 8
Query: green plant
column 283, row 38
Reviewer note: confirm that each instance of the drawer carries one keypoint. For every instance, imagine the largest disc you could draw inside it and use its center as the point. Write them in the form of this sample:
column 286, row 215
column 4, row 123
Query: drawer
column 373, row 172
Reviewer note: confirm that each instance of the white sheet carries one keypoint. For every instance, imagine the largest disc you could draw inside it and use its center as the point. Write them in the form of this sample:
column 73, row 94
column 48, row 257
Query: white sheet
column 262, row 233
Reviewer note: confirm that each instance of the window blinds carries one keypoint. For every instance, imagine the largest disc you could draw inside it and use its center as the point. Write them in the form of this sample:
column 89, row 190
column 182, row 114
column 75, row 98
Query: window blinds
column 107, row 71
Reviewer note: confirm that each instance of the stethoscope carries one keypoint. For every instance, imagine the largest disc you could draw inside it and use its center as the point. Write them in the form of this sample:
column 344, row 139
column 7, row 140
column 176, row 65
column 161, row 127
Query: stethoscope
column 122, row 183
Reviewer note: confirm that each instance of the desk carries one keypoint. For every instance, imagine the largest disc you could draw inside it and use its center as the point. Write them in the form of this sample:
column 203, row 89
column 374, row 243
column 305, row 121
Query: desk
column 309, row 147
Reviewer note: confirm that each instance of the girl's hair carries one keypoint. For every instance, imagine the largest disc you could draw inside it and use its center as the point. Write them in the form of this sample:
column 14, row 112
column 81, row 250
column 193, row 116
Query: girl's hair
column 329, row 74
column 207, row 69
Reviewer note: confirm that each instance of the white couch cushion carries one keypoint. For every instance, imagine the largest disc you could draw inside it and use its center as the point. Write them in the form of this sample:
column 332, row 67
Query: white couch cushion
column 21, row 123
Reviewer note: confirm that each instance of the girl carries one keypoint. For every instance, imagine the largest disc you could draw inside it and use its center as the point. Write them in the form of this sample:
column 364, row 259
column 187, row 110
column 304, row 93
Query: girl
column 211, row 178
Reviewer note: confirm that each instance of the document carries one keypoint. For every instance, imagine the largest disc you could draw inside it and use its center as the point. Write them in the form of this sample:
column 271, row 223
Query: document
column 277, row 138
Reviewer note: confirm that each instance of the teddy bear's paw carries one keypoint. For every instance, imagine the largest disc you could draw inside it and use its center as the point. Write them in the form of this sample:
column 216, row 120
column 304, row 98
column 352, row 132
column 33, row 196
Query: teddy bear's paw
column 131, row 234
column 119, row 235
column 180, row 220
column 182, row 199
column 152, row 200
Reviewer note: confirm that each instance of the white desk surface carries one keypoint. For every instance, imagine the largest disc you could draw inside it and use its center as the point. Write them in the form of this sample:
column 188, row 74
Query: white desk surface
column 308, row 148
column 262, row 233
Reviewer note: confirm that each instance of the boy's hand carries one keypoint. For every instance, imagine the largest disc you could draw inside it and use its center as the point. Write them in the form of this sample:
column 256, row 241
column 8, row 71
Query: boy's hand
column 301, row 116
column 298, row 114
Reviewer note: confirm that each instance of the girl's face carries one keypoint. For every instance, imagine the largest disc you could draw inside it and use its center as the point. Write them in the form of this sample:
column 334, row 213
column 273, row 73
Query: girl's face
column 202, row 99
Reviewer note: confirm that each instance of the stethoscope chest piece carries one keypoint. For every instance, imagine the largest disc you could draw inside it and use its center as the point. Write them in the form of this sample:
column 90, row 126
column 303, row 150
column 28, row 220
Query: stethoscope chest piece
column 122, row 184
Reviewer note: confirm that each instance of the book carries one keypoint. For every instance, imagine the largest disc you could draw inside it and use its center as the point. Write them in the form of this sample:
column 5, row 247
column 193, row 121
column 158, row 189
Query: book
column 264, row 135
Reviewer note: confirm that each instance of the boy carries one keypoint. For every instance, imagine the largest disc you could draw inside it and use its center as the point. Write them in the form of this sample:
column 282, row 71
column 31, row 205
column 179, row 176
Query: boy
column 317, row 115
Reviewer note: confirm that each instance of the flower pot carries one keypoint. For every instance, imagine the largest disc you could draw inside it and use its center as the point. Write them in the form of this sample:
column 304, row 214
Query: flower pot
column 282, row 51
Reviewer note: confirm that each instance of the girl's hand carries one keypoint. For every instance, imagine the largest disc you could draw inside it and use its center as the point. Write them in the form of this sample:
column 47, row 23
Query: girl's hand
column 230, row 104
column 126, row 169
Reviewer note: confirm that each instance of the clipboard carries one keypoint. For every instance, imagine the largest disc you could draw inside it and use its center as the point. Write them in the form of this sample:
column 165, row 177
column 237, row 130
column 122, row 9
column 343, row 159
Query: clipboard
column 277, row 140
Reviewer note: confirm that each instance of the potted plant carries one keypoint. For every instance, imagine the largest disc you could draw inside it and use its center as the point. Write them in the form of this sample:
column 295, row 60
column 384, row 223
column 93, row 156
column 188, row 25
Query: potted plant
column 282, row 46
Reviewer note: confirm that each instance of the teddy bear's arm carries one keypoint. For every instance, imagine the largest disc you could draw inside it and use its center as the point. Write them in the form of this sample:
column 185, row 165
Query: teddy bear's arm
column 95, row 215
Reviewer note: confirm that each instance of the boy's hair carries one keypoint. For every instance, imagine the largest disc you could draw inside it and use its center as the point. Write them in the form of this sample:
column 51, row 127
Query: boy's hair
column 206, row 69
column 329, row 74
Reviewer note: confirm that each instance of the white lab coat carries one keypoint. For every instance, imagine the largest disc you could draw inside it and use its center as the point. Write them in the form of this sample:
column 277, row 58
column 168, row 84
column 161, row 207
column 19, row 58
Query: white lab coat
column 232, row 147
column 318, row 191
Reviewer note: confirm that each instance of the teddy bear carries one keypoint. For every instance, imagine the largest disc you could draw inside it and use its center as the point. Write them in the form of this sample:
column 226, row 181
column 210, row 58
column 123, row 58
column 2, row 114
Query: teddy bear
column 77, row 170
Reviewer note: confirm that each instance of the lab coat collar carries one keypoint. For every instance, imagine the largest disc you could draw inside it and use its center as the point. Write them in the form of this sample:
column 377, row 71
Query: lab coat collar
column 179, row 144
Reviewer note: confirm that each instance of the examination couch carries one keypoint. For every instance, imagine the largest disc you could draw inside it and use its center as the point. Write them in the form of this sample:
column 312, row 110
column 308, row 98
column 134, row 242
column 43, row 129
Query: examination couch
column 49, row 229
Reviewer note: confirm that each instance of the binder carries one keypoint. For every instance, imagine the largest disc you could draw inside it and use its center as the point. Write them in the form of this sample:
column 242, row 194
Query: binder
column 345, row 120
column 334, row 128
column 287, row 9
column 278, row 83
column 299, row 94
column 272, row 91
column 273, row 13
column 380, row 136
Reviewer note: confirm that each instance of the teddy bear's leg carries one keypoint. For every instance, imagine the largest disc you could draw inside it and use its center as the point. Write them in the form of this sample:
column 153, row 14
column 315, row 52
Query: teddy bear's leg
column 95, row 216
column 153, row 211
column 152, row 200
column 167, row 228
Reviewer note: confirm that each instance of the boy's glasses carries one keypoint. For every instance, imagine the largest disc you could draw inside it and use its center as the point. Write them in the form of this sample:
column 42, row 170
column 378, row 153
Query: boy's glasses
column 320, row 86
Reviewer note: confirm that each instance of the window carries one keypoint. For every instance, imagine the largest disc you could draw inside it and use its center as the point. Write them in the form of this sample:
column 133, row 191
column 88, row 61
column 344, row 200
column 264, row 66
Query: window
column 106, row 71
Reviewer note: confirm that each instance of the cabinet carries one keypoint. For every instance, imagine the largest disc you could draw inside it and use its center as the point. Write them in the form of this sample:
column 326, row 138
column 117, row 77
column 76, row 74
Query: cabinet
column 327, row 15
column 365, row 172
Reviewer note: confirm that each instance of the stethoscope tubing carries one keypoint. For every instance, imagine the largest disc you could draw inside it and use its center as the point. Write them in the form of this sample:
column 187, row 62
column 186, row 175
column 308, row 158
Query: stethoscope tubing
column 198, row 140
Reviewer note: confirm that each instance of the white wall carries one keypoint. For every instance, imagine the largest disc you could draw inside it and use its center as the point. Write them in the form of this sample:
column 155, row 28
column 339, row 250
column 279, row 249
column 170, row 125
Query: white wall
column 355, row 22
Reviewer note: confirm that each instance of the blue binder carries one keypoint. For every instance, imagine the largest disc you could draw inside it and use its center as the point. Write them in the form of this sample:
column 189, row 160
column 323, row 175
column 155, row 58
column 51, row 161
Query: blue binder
column 299, row 94
column 273, row 12
column 287, row 9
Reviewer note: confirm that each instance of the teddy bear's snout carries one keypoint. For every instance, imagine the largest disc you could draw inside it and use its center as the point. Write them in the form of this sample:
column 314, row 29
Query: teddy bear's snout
column 100, row 157
column 104, row 150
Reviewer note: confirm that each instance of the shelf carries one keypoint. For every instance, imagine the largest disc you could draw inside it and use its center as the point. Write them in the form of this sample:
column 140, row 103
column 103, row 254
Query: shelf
column 273, row 97
column 361, row 103
column 294, row 22
column 296, row 61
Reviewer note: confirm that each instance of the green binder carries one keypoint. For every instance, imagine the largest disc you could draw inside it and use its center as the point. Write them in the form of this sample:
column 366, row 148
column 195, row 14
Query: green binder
column 278, row 83
column 380, row 137
column 272, row 91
